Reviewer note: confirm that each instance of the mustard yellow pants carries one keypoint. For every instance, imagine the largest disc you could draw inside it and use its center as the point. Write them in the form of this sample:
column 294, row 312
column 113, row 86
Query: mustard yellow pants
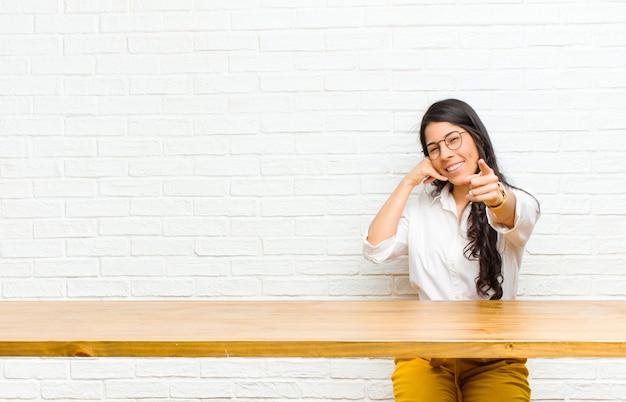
column 461, row 380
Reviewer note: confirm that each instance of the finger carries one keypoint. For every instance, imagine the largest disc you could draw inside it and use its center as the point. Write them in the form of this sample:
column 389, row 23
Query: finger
column 487, row 190
column 470, row 178
column 484, row 168
column 434, row 176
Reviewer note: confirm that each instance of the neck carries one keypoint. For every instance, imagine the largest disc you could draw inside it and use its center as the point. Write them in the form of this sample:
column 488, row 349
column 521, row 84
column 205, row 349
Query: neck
column 459, row 194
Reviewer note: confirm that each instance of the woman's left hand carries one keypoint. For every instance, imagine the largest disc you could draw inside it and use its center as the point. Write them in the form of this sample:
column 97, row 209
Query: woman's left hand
column 483, row 186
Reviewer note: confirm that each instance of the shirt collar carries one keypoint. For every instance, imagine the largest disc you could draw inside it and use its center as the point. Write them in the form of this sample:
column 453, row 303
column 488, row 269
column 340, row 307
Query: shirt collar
column 446, row 200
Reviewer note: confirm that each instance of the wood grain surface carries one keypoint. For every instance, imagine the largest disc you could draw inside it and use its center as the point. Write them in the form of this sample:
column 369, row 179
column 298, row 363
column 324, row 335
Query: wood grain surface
column 344, row 328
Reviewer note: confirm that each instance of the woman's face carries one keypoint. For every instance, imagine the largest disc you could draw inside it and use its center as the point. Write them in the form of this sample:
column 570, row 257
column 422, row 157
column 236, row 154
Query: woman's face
column 455, row 164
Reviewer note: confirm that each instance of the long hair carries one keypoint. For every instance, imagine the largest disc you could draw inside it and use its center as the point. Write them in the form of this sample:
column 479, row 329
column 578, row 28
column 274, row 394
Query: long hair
column 483, row 238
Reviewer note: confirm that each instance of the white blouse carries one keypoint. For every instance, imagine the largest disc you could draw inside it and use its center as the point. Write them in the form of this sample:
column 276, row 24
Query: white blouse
column 430, row 233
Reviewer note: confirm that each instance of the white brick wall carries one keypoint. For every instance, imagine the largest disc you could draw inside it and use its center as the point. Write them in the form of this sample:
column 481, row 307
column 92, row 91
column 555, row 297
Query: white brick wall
column 239, row 149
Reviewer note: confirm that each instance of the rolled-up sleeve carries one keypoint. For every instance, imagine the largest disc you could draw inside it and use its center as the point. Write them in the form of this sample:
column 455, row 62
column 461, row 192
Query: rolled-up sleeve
column 526, row 215
column 390, row 248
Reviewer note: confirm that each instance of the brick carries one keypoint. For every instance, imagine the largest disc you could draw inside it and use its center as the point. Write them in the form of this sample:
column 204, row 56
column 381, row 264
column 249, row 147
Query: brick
column 136, row 266
column 364, row 81
column 135, row 148
column 16, row 269
column 321, row 266
column 297, row 246
column 32, row 248
column 13, row 149
column 66, row 24
column 128, row 226
column 261, row 227
column 130, row 187
column 263, row 20
column 97, row 288
column 261, row 187
column 28, row 86
column 97, row 247
column 162, row 287
column 94, row 6
column 20, row 390
column 296, row 287
column 218, row 125
column 226, row 41
column 159, row 127
column 194, row 227
column 16, row 106
column 71, row 65
column 64, row 228
column 93, row 44
column 225, row 207
column 96, row 168
column 288, row 83
column 31, row 208
column 298, row 368
column 161, row 43
column 102, row 369
column 136, row 389
column 264, row 266
column 95, row 126
column 29, row 289
column 201, row 389
column 127, row 64
column 160, row 85
column 168, row 368
column 197, row 21
column 32, row 45
column 196, row 63
column 196, row 146
column 28, row 6
column 233, row 367
column 227, row 247
column 295, row 206
column 260, row 104
column 148, row 246
column 16, row 24
column 53, row 147
column 205, row 104
column 136, row 105
column 194, row 188
column 160, row 167
column 197, row 267
column 13, row 189
column 69, row 268
column 97, row 208
column 342, row 390
column 161, row 207
column 330, row 18
column 35, row 369
column 229, row 287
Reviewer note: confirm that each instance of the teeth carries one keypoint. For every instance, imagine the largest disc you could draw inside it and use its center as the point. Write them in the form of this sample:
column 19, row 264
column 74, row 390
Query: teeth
column 451, row 168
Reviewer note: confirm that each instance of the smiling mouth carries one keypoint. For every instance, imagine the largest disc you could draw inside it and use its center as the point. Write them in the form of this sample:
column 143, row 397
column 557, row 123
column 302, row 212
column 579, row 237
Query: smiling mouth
column 454, row 167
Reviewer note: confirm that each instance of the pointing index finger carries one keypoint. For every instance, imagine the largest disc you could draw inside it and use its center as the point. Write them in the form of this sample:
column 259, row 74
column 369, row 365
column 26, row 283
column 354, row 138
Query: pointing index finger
column 484, row 168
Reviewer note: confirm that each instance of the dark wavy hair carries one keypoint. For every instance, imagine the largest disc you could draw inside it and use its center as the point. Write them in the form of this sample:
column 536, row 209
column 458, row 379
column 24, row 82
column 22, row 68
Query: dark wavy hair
column 483, row 238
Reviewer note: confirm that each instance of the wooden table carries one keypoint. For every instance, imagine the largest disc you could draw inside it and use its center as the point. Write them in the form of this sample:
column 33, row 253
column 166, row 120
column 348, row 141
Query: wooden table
column 529, row 328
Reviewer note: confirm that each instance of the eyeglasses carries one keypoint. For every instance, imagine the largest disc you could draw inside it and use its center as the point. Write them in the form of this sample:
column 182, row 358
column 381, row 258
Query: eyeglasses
column 452, row 140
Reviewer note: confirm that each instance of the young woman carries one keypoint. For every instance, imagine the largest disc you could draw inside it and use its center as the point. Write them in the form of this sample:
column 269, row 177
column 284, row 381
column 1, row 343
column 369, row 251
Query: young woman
column 464, row 239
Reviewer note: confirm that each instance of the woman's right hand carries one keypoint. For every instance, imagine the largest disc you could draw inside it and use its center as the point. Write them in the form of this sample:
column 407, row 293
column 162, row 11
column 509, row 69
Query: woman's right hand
column 423, row 172
column 386, row 221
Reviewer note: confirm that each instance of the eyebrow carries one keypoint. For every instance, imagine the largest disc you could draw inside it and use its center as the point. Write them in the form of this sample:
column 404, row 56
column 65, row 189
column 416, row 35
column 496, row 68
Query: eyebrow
column 444, row 137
